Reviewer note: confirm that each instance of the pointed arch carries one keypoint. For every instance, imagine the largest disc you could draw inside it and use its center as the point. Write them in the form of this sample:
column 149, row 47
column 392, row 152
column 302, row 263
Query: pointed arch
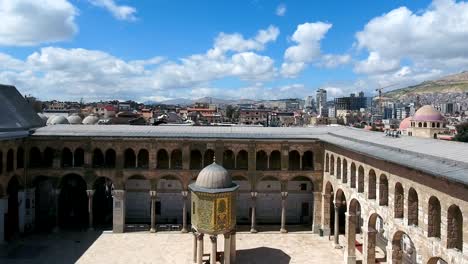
column 433, row 217
column 143, row 159
column 308, row 160
column 229, row 159
column 262, row 160
column 399, row 199
column 294, row 160
column 98, row 158
column 275, row 160
column 372, row 187
column 195, row 159
column 413, row 203
column 454, row 228
column 162, row 159
column 208, row 157
column 176, row 159
column 242, row 160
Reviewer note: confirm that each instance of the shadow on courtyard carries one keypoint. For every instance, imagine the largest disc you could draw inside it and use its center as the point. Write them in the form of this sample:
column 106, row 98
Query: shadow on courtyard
column 262, row 255
column 61, row 247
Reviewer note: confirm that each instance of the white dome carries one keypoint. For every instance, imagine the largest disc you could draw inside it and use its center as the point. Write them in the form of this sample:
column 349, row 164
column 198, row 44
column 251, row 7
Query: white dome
column 214, row 176
column 59, row 120
column 74, row 119
column 43, row 117
column 49, row 120
column 90, row 120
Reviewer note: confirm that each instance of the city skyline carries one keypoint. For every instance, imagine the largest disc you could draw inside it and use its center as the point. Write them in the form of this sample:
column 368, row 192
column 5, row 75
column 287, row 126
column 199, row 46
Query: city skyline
column 102, row 50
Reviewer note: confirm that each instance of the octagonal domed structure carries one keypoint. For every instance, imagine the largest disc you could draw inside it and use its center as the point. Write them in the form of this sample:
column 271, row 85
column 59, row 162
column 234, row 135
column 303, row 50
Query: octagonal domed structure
column 427, row 113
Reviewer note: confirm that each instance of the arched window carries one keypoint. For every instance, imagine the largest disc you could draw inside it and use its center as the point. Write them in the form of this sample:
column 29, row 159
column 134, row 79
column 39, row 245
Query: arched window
column 454, row 228
column 412, row 207
column 35, row 157
column 49, row 154
column 438, row 125
column 10, row 160
column 110, row 158
column 308, row 160
column 195, row 159
column 353, row 175
column 372, row 188
column 433, row 124
column 332, row 165
column 419, row 124
column 338, row 168
column 208, row 157
column 242, row 160
column 67, row 158
column 176, row 159
column 1, row 162
column 433, row 217
column 327, row 163
column 98, row 158
column 383, row 190
column 275, row 160
column 78, row 157
column 162, row 159
column 143, row 159
column 20, row 158
column 345, row 171
column 294, row 160
column 262, row 160
column 399, row 200
column 228, row 160
column 361, row 179
column 129, row 158
column 425, row 124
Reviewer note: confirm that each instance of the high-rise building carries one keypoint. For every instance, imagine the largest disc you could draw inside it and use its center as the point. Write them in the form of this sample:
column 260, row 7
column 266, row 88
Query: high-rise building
column 321, row 99
column 309, row 102
column 352, row 102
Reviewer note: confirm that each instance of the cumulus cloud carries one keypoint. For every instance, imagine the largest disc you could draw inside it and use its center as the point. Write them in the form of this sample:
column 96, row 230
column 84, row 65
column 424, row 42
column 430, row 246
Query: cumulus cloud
column 334, row 60
column 31, row 22
column 121, row 12
column 308, row 37
column 281, row 10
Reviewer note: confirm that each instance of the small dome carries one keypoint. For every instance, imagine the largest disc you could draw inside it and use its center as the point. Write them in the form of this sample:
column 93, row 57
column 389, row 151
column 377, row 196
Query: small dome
column 59, row 120
column 49, row 120
column 427, row 113
column 405, row 123
column 214, row 176
column 74, row 119
column 90, row 120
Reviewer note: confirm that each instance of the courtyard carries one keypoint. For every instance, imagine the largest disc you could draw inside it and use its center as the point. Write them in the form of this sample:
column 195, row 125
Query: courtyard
column 167, row 247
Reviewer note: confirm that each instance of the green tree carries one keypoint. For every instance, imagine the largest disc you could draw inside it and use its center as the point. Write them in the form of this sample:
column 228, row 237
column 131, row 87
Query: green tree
column 462, row 132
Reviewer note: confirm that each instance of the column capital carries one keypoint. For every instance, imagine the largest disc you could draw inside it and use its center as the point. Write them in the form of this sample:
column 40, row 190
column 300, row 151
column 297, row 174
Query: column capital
column 284, row 195
column 184, row 193
column 153, row 194
column 199, row 235
column 90, row 193
column 119, row 194
column 253, row 194
column 213, row 238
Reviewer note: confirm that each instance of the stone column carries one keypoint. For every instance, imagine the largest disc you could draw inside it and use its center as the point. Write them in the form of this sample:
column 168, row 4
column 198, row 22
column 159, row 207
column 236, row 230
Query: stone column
column 253, row 226
column 3, row 211
column 214, row 249
column 284, row 195
column 336, row 231
column 153, row 211
column 233, row 248
column 369, row 246
column 317, row 216
column 194, row 247
column 184, row 211
column 199, row 248
column 350, row 252
column 118, row 225
column 227, row 248
column 57, row 218
column 90, row 209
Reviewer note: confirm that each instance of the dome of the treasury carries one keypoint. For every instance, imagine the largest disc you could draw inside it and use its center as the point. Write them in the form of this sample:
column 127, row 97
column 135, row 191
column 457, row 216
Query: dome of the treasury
column 427, row 113
column 405, row 123
column 74, row 119
column 58, row 120
column 90, row 120
column 214, row 176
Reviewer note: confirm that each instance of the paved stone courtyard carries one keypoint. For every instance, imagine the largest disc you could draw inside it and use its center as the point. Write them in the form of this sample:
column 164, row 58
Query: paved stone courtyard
column 167, row 247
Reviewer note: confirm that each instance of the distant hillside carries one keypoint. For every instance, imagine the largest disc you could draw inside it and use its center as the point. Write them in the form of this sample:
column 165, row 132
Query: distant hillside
column 456, row 83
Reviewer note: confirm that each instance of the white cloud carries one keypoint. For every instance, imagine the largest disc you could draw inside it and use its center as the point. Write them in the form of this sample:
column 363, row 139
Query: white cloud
column 121, row 12
column 31, row 22
column 281, row 10
column 334, row 60
column 375, row 64
column 308, row 37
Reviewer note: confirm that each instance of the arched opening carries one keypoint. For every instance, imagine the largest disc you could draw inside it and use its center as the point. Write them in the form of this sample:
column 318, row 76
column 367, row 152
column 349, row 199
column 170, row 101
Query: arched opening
column 341, row 203
column 143, row 159
column 129, row 158
column 412, row 207
column 1, row 162
column 433, row 124
column 454, row 228
column 399, row 200
column 354, row 223
column 262, row 160
column 376, row 240
column 49, row 154
column 338, row 168
column 328, row 208
column 383, row 190
column 327, row 163
column 419, row 124
column 73, row 202
column 208, row 158
column 98, row 158
column 162, row 159
column 78, row 157
column 10, row 160
column 110, row 158
column 332, row 165
column 243, row 203
column 361, row 179
column 67, row 158
column 425, row 124
column 102, row 203
column 229, row 160
column 433, row 217
column 435, row 136
column 345, row 171
column 12, row 217
column 436, row 260
column 269, row 201
column 170, row 201
column 275, row 160
column 242, row 160
column 176, row 159
column 403, row 249
column 372, row 187
column 45, row 203
column 300, row 201
column 308, row 160
column 294, row 160
column 138, row 200
column 195, row 159
column 35, row 158
column 353, row 175
column 438, row 125
column 19, row 158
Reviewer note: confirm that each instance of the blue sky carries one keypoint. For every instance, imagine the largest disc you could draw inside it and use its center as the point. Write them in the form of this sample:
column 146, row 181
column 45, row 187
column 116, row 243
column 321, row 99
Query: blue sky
column 256, row 49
